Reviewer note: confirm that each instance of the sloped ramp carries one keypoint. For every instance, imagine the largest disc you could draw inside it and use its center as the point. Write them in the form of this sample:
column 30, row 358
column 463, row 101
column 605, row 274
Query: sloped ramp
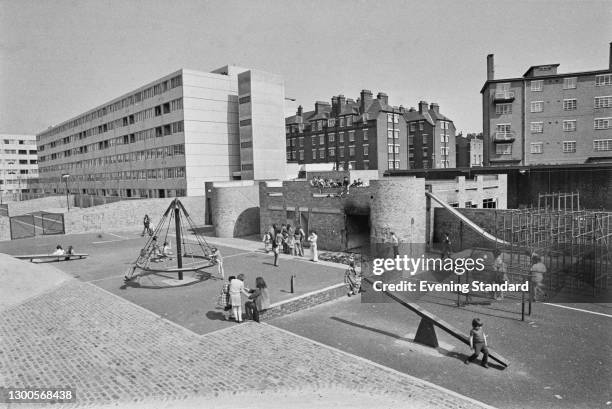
column 21, row 280
column 467, row 221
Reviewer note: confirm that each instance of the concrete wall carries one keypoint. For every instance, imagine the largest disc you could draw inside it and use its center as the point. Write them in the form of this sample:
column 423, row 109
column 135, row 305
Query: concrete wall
column 127, row 215
column 50, row 203
column 235, row 208
column 462, row 190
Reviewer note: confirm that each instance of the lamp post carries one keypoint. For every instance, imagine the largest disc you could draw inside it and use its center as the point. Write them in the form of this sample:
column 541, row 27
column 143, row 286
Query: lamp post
column 65, row 176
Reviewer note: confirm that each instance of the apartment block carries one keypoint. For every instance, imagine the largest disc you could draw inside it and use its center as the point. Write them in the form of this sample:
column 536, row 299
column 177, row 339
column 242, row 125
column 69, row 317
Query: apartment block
column 469, row 150
column 169, row 137
column 18, row 165
column 546, row 117
column 368, row 133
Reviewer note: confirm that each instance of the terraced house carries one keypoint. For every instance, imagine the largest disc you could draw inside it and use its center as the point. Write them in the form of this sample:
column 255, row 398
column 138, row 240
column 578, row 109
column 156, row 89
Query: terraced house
column 547, row 118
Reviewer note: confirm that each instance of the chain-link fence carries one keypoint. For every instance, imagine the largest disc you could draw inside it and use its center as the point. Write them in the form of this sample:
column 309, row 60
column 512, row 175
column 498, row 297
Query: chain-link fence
column 36, row 224
column 4, row 211
column 22, row 226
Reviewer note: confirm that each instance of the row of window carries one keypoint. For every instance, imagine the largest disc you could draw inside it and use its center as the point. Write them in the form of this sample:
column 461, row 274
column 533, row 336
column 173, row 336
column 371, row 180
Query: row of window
column 321, row 124
column 165, row 108
column 568, row 105
column 18, row 142
column 331, row 137
column 164, row 130
column 571, row 82
column 599, row 145
column 147, row 174
column 331, row 152
column 155, row 153
column 18, row 152
column 139, row 96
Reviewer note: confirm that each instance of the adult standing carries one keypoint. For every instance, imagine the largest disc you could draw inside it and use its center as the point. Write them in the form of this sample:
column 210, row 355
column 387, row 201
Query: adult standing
column 313, row 246
column 259, row 300
column 299, row 240
column 276, row 246
column 217, row 259
column 446, row 246
column 236, row 288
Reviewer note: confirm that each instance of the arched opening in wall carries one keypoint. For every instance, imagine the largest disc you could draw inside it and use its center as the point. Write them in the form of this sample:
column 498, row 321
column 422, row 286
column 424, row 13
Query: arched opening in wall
column 357, row 231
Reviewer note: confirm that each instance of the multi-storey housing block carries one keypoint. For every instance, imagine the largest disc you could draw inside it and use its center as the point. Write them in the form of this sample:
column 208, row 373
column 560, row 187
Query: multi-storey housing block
column 547, row 118
column 18, row 165
column 171, row 136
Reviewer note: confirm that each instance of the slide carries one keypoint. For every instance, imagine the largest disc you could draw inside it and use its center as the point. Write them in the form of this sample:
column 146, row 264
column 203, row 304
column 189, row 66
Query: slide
column 467, row 221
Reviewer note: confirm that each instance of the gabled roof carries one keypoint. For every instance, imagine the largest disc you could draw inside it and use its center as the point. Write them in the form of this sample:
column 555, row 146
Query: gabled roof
column 416, row 116
column 306, row 116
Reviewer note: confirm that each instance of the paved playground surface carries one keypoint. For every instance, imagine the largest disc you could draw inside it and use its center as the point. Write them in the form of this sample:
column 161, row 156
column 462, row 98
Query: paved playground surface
column 150, row 347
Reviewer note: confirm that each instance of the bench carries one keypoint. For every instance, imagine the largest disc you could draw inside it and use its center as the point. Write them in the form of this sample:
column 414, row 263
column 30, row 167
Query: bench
column 51, row 257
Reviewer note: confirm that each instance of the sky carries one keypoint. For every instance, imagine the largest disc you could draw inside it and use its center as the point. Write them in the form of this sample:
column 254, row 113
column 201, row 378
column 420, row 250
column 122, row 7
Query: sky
column 60, row 58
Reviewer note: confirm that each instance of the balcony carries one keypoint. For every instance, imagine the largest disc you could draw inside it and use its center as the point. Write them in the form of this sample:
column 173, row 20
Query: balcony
column 503, row 96
column 504, row 137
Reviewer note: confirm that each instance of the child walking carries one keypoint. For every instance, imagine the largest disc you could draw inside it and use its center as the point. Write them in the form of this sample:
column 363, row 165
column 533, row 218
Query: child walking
column 478, row 342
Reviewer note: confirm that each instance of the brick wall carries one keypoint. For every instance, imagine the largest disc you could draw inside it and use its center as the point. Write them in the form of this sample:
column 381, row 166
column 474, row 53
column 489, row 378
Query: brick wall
column 325, row 215
column 461, row 235
column 304, row 301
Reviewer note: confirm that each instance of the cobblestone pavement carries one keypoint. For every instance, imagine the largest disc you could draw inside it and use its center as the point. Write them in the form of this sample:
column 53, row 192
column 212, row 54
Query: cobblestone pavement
column 114, row 352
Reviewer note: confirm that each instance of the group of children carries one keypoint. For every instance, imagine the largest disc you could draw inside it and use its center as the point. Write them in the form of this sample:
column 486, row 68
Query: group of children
column 230, row 298
column 288, row 240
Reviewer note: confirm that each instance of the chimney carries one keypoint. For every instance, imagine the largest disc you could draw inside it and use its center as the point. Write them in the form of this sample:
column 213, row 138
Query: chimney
column 366, row 100
column 490, row 68
column 412, row 109
column 402, row 109
column 350, row 101
column 434, row 107
column 341, row 100
column 300, row 110
column 422, row 106
column 383, row 97
column 319, row 107
column 335, row 108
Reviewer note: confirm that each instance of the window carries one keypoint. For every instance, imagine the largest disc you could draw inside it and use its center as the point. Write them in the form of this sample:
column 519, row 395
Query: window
column 602, row 145
column 501, row 109
column 331, row 122
column 341, row 151
column 321, row 153
column 244, row 100
column 245, row 122
column 602, row 123
column 536, row 147
column 341, row 122
column 569, row 146
column 332, row 152
column 158, row 112
column 313, row 125
column 351, row 151
column 391, row 164
column 604, row 79
column 366, row 164
column 536, row 85
column 166, row 108
column 366, row 150
column 444, row 150
column 341, row 137
column 321, row 139
column 314, row 154
column 351, row 136
column 569, row 125
column 301, row 154
column 331, row 137
column 489, row 204
column 365, row 134
column 352, row 164
column 569, row 83
column 603, row 102
column 537, row 106
column 503, row 149
column 412, row 127
column 301, row 141
column 503, row 131
column 569, row 104
column 420, row 125
column 349, row 121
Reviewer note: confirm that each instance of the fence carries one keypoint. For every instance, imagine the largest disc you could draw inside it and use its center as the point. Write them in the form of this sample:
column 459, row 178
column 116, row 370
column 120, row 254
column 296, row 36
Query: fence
column 4, row 210
column 36, row 224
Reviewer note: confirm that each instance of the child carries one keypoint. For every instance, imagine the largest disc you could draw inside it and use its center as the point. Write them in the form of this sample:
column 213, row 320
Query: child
column 224, row 299
column 478, row 342
column 217, row 259
column 267, row 240
column 501, row 273
column 352, row 280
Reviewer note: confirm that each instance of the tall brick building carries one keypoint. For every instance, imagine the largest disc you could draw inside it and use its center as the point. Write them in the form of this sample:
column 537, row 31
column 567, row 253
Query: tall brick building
column 547, row 118
column 369, row 134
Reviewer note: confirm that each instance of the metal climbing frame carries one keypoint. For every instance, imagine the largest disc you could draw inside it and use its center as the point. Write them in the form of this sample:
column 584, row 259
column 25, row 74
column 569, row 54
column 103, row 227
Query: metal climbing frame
column 574, row 246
